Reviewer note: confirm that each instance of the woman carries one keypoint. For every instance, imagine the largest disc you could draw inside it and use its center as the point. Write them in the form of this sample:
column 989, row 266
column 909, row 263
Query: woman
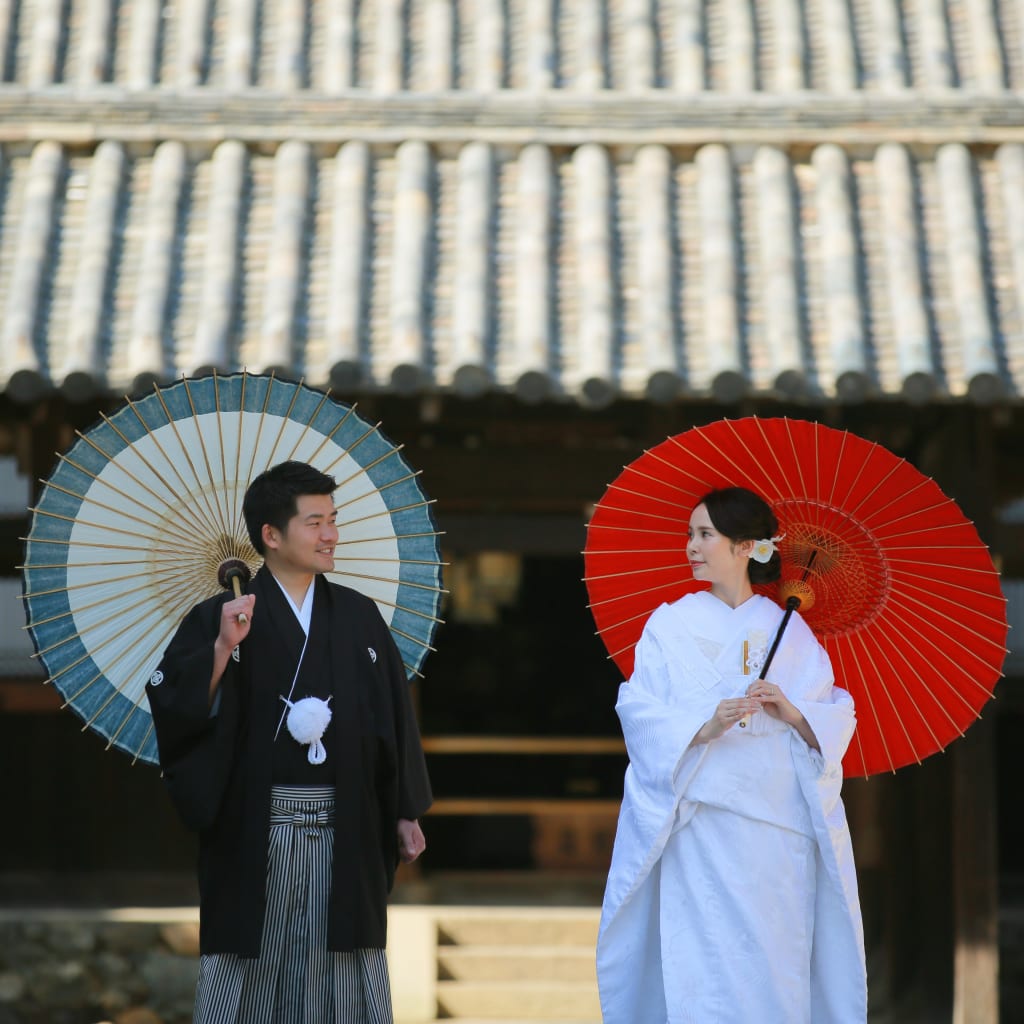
column 732, row 895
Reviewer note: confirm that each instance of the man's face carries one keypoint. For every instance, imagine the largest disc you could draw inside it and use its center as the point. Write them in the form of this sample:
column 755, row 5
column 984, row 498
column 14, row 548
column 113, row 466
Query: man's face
column 307, row 543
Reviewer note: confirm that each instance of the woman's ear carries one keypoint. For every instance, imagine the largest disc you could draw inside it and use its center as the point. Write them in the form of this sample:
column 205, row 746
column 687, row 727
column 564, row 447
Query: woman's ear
column 744, row 547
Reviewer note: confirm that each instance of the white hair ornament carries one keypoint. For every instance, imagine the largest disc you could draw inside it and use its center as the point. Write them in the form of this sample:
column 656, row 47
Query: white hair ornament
column 763, row 550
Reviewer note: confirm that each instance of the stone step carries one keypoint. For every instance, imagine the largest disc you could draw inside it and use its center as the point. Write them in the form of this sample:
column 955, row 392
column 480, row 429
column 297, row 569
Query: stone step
column 508, row 963
column 537, row 928
column 531, row 1001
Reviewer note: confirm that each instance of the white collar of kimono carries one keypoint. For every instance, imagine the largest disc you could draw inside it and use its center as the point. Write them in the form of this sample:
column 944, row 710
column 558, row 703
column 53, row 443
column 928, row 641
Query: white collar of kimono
column 305, row 613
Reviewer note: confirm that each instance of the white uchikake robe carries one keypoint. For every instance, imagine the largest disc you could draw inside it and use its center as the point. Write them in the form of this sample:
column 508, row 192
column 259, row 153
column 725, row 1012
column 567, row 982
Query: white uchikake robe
column 732, row 895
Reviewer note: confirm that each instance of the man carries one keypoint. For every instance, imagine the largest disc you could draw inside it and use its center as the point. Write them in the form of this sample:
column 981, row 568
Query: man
column 287, row 740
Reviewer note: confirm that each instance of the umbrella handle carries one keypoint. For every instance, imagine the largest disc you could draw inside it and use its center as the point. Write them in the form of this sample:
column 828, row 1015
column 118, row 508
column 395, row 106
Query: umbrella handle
column 237, row 587
column 792, row 603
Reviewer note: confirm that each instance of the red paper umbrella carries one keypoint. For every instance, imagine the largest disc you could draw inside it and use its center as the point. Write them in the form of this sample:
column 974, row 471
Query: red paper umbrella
column 894, row 581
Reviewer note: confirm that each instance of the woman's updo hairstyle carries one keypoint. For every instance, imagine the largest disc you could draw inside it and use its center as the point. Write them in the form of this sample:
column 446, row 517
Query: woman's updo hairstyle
column 741, row 515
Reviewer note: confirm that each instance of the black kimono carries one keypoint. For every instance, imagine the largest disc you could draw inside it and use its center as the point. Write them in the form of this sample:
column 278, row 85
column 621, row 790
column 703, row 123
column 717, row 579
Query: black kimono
column 219, row 767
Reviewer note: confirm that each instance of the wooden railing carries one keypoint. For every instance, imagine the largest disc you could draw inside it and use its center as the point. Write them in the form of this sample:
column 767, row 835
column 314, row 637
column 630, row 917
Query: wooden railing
column 526, row 746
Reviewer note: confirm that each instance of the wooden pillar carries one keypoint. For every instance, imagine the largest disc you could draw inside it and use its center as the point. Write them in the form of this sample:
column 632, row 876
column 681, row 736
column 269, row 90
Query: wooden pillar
column 975, row 877
column 956, row 448
column 975, row 855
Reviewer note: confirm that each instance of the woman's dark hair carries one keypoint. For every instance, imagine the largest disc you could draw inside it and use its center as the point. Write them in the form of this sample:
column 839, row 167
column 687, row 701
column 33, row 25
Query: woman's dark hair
column 272, row 497
column 740, row 515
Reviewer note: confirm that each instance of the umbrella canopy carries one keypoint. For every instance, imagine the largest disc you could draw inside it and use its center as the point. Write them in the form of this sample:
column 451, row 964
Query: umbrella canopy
column 138, row 518
column 900, row 590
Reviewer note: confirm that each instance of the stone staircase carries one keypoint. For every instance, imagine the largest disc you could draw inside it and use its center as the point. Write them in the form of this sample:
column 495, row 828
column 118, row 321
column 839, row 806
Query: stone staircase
column 509, row 964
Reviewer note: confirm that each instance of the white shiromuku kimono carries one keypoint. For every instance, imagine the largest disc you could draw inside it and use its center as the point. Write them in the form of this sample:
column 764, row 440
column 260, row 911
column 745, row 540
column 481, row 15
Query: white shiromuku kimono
column 732, row 896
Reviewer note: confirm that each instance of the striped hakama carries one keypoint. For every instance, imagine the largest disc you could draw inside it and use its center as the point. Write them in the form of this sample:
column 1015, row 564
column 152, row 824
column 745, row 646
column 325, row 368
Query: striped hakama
column 296, row 979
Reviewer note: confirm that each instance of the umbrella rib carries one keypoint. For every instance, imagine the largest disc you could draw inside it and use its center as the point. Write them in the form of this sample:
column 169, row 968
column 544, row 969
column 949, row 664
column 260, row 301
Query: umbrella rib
column 96, row 544
column 634, row 529
column 71, row 612
column 930, row 690
column 618, row 488
column 146, row 462
column 124, row 721
column 125, row 495
column 256, row 440
column 387, row 579
column 908, row 582
column 113, row 616
column 594, row 552
column 285, row 420
column 200, row 524
column 330, row 437
column 399, row 561
column 624, row 622
column 117, row 512
column 28, row 595
column 897, row 611
column 874, row 710
column 220, row 441
column 911, row 701
column 411, row 611
column 365, row 470
column 145, row 740
column 878, row 511
column 378, row 490
column 897, row 605
column 892, row 538
column 391, row 512
column 239, row 418
column 148, row 538
column 634, row 470
column 220, row 514
column 100, row 646
column 633, row 572
column 390, row 537
column 677, row 469
column 636, row 593
column 412, row 639
column 614, row 656
column 306, row 428
column 638, row 514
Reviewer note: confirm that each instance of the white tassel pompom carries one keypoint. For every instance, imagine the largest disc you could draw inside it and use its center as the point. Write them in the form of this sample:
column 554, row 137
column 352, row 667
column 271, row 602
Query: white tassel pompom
column 307, row 721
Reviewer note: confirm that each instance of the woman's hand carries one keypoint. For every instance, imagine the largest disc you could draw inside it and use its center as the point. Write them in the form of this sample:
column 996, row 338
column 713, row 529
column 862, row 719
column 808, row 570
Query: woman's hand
column 727, row 714
column 775, row 703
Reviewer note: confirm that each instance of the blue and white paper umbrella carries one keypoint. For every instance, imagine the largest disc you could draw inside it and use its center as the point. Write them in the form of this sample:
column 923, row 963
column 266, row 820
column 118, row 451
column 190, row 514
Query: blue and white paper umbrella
column 137, row 518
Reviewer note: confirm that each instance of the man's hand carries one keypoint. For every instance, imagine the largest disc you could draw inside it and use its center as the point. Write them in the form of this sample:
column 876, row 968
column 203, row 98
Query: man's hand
column 411, row 841
column 233, row 632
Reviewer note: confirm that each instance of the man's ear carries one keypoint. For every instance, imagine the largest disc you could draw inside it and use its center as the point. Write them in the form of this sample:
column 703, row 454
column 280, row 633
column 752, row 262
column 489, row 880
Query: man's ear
column 272, row 537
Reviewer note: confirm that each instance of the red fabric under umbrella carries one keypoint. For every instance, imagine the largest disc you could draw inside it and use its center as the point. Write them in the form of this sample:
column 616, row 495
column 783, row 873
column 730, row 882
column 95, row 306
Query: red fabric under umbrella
column 901, row 592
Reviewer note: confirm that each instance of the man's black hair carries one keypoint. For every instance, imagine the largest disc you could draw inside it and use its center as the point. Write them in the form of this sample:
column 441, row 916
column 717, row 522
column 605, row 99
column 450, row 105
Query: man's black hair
column 272, row 498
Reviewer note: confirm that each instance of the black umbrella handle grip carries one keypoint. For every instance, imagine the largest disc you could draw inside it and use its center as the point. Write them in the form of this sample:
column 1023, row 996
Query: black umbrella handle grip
column 792, row 603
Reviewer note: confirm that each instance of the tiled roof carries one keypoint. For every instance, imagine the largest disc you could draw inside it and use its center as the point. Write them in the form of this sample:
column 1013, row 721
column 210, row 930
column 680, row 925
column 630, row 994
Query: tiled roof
column 575, row 199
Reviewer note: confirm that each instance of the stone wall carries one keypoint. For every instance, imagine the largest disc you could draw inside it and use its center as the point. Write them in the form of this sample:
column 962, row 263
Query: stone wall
column 116, row 967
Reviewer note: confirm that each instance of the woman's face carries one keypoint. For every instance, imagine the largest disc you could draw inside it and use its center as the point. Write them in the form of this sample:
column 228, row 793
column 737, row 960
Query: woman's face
column 713, row 557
